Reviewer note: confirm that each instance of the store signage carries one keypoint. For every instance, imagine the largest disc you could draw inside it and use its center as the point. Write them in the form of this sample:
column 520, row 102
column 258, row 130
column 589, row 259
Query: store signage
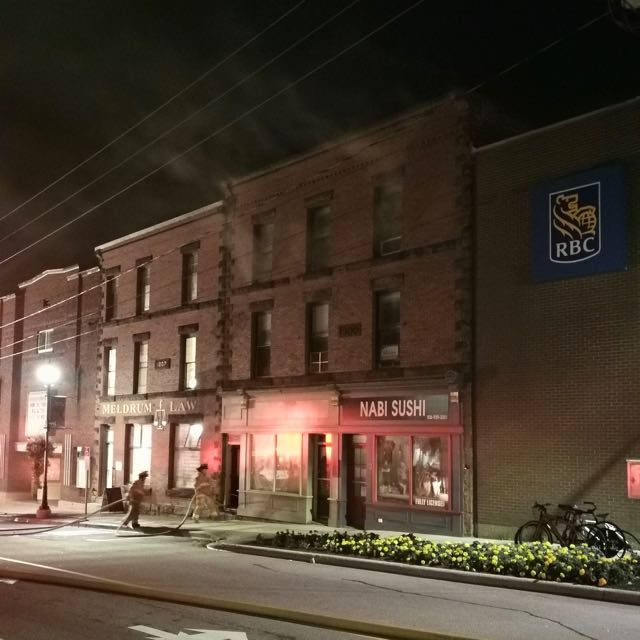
column 148, row 407
column 424, row 408
column 580, row 224
column 163, row 363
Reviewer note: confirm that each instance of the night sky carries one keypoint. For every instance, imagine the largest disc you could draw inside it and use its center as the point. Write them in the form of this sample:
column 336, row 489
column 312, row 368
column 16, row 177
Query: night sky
column 77, row 74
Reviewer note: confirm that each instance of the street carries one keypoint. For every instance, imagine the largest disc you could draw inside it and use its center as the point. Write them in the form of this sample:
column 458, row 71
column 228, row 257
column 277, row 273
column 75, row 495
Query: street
column 182, row 566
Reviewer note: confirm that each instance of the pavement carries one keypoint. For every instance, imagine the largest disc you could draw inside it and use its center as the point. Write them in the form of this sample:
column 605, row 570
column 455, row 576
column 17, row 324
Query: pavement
column 238, row 535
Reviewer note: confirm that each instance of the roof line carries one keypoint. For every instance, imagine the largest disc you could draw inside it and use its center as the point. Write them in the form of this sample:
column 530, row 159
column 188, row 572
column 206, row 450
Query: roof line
column 47, row 272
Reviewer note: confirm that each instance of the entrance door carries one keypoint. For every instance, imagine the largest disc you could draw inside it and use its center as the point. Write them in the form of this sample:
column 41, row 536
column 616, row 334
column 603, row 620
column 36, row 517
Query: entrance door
column 321, row 483
column 356, row 457
column 233, row 478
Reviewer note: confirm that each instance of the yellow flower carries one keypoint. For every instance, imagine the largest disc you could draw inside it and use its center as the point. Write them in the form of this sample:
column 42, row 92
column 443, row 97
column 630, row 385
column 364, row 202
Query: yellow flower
column 581, row 572
column 602, row 582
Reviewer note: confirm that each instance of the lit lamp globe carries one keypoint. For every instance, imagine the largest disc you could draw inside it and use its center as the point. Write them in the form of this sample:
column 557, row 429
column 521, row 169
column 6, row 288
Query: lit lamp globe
column 48, row 374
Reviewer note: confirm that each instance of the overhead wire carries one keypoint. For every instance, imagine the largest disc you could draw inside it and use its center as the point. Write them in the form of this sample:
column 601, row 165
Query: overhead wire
column 159, row 108
column 304, row 76
column 176, row 126
column 218, row 131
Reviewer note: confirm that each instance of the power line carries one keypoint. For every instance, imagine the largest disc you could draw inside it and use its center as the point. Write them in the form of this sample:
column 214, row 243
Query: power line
column 192, row 115
column 217, row 131
column 154, row 111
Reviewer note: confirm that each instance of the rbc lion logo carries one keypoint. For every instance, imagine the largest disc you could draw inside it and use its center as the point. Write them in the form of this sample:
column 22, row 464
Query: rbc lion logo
column 574, row 224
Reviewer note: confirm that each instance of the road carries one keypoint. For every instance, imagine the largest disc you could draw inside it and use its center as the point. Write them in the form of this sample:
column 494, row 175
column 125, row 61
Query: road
column 182, row 566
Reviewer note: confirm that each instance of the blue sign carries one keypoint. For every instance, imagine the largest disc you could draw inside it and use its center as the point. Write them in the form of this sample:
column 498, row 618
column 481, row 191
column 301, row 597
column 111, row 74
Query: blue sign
column 580, row 224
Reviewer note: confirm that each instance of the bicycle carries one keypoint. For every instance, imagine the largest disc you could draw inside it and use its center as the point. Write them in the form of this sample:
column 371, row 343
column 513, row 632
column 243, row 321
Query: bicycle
column 573, row 531
column 615, row 538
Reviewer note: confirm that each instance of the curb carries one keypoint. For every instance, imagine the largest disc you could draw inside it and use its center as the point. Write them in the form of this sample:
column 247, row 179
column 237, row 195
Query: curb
column 619, row 596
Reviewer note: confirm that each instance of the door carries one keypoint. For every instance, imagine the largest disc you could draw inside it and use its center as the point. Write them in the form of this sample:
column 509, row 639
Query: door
column 356, row 458
column 233, row 477
column 321, row 483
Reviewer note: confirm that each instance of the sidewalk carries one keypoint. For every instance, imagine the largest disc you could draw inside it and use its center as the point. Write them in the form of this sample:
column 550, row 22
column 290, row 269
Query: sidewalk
column 237, row 535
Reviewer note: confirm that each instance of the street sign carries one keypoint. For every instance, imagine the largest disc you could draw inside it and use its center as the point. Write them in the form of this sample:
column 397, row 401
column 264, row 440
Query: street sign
column 200, row 634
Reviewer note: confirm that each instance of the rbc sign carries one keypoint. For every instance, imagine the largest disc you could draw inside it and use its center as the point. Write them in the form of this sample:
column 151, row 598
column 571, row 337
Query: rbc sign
column 580, row 224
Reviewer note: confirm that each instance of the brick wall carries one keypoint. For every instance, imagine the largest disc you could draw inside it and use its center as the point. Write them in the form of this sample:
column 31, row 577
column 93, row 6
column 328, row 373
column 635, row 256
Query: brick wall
column 556, row 403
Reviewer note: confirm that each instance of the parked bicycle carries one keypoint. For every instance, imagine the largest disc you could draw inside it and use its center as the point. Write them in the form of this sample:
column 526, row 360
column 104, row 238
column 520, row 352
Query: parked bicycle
column 564, row 529
column 615, row 538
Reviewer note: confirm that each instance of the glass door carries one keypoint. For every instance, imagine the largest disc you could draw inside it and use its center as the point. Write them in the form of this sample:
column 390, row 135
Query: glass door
column 356, row 459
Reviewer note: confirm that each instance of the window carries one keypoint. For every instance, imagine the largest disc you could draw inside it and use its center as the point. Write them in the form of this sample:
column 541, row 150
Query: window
column 143, row 286
column 388, row 329
column 318, row 220
column 187, row 441
column 275, row 462
column 387, row 216
column 261, row 344
column 140, row 365
column 45, row 341
column 111, row 295
column 318, row 337
column 138, row 449
column 262, row 251
column 189, row 276
column 426, row 483
column 110, row 371
column 189, row 378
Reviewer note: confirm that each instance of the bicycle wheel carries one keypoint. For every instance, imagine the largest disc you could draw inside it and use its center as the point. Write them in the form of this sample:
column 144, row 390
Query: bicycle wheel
column 533, row 531
column 588, row 534
column 616, row 544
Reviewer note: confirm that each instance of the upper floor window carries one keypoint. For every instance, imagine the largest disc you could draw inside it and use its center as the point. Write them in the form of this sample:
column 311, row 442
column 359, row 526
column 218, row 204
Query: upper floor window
column 45, row 341
column 189, row 276
column 110, row 371
column 143, row 286
column 262, row 251
column 318, row 220
column 111, row 294
column 140, row 365
column 188, row 374
column 318, row 337
column 387, row 215
column 261, row 341
column 388, row 329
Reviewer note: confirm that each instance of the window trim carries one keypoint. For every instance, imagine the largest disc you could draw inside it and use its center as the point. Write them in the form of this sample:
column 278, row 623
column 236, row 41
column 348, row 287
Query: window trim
column 143, row 285
column 137, row 366
column 184, row 337
column 255, row 319
column 320, row 360
column 108, row 350
column 314, row 239
column 385, row 187
column 45, row 345
column 381, row 363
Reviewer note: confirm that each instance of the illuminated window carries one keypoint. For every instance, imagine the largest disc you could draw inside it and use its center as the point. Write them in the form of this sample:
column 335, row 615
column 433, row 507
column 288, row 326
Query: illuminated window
column 187, row 440
column 45, row 341
column 138, row 449
column 275, row 462
column 110, row 371
column 188, row 372
column 140, row 366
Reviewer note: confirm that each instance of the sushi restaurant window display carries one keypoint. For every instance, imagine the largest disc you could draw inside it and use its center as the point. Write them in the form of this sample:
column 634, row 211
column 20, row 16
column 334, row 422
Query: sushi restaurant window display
column 275, row 462
column 413, row 470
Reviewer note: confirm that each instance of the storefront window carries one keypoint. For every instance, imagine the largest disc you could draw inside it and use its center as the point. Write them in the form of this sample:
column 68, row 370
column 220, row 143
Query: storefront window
column 431, row 472
column 288, row 449
column 186, row 453
column 393, row 468
column 275, row 462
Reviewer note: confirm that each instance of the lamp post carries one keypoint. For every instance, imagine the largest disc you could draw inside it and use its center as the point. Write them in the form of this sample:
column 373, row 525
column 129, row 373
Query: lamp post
column 48, row 374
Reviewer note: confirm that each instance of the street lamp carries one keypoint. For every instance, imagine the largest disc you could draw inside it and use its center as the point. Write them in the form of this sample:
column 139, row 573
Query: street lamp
column 48, row 374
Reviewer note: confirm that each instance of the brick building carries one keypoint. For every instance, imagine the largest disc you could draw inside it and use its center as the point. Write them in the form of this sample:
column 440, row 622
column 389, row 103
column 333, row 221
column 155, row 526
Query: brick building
column 51, row 318
column 555, row 394
column 158, row 360
column 347, row 350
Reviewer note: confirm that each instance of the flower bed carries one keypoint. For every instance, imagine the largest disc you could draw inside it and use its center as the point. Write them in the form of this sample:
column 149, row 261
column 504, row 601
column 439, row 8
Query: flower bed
column 577, row 564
